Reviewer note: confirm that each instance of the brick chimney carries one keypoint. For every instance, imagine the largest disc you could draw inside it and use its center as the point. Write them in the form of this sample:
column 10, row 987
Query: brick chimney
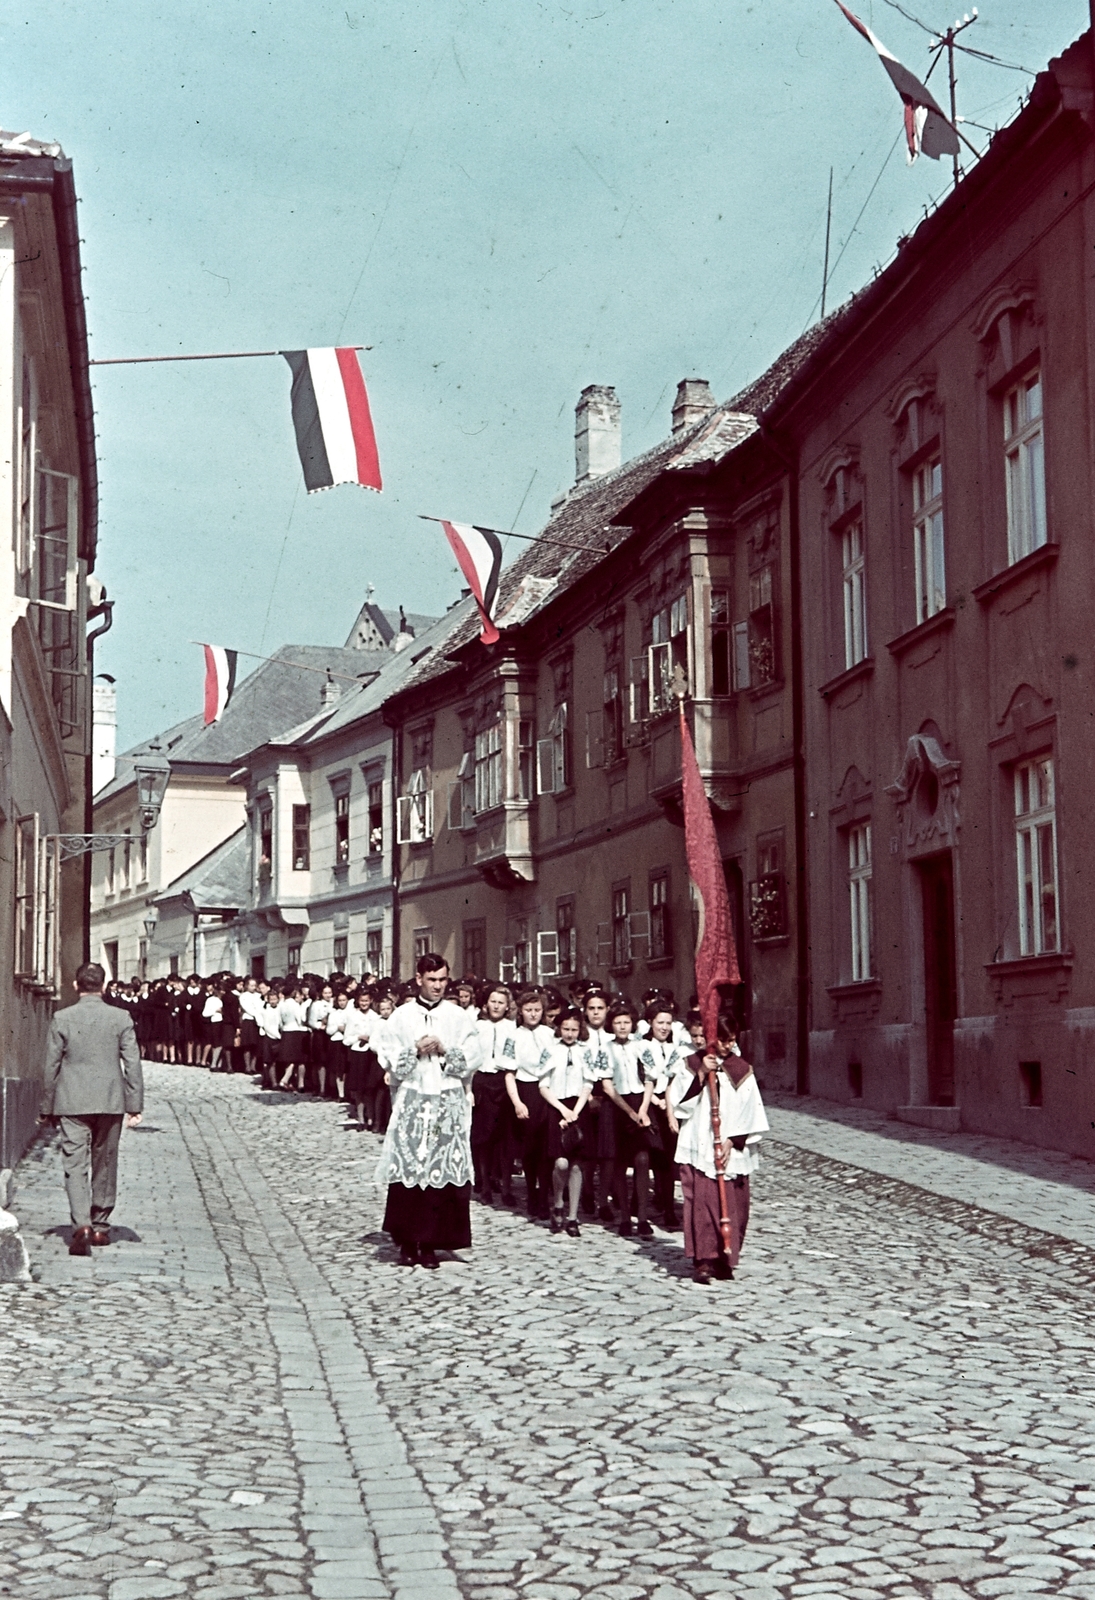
column 596, row 433
column 694, row 400
column 330, row 692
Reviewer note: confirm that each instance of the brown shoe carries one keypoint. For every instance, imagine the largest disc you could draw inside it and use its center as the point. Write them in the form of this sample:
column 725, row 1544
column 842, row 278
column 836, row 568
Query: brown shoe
column 100, row 1235
column 81, row 1242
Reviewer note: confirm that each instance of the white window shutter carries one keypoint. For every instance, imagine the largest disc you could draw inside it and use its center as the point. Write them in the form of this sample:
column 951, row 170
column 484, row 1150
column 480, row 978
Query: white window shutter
column 660, row 667
column 427, row 814
column 545, row 766
column 595, row 739
column 403, row 819
column 741, row 655
column 547, row 954
column 507, row 964
column 638, row 694
column 455, row 807
column 638, row 933
column 604, row 944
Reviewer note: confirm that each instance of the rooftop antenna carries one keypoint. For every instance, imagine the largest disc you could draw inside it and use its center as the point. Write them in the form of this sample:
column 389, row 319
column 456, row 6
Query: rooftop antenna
column 828, row 231
column 946, row 41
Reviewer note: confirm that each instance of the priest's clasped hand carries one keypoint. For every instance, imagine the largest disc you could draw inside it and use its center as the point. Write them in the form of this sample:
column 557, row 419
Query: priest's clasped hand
column 430, row 1045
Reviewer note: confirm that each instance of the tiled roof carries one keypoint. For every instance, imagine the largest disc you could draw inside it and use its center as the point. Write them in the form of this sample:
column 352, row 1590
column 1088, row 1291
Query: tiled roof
column 585, row 516
column 281, row 693
column 220, row 881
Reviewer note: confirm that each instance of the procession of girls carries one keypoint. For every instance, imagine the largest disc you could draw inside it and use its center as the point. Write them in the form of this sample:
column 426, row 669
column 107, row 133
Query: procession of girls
column 603, row 1105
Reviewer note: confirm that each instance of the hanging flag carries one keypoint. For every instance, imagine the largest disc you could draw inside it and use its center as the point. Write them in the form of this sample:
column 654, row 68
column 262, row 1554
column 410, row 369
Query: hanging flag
column 479, row 552
column 927, row 127
column 334, row 427
column 716, row 955
column 220, row 680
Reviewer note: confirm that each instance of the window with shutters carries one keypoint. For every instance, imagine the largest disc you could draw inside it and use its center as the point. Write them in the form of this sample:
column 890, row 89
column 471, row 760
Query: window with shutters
column 553, row 754
column 930, row 573
column 767, row 892
column 853, row 588
column 859, row 896
column 376, row 819
column 26, row 896
column 668, row 653
column 415, row 811
column 721, row 643
column 462, row 794
column 762, row 628
column 340, row 952
column 374, row 952
column 1025, row 465
column 661, row 932
column 342, row 827
column 489, row 768
column 475, row 949
column 302, row 832
column 292, row 959
column 1036, row 854
column 266, row 839
column 423, row 942
column 639, row 689
column 613, row 716
column 621, row 929
column 526, row 755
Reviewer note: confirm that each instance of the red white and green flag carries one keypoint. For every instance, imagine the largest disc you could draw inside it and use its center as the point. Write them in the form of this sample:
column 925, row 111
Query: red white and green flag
column 220, row 680
column 927, row 127
column 332, row 420
column 479, row 554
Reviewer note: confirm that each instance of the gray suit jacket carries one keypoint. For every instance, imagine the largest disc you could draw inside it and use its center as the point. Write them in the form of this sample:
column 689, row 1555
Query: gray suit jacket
column 93, row 1065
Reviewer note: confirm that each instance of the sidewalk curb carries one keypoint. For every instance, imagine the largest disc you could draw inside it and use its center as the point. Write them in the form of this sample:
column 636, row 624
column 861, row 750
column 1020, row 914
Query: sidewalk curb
column 14, row 1261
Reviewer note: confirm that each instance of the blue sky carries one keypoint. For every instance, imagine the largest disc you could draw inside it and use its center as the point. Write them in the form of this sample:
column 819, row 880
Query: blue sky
column 507, row 201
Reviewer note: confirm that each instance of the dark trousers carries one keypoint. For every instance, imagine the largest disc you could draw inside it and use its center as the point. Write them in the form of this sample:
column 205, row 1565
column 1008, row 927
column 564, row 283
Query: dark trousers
column 89, row 1154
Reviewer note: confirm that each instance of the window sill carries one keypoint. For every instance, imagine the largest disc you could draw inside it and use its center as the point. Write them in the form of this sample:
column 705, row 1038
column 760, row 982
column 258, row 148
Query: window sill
column 622, row 972
column 757, row 691
column 1031, row 978
column 862, row 669
column 1045, row 556
column 660, row 963
column 849, row 991
column 942, row 622
column 772, row 941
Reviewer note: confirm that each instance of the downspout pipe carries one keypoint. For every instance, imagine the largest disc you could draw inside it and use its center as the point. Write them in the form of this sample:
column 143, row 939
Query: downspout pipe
column 787, row 453
column 105, row 609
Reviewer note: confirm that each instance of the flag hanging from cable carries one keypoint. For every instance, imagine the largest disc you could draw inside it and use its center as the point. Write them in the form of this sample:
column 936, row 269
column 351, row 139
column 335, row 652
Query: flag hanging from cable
column 220, row 680
column 479, row 553
column 716, row 954
column 332, row 420
column 927, row 127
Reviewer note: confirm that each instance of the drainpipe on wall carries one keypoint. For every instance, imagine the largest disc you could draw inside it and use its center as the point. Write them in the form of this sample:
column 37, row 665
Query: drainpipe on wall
column 788, row 455
column 105, row 609
column 397, row 790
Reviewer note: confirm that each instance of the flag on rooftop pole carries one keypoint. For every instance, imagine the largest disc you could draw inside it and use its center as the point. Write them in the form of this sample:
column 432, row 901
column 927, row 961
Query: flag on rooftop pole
column 927, row 127
column 220, row 680
column 331, row 417
column 716, row 955
column 479, row 552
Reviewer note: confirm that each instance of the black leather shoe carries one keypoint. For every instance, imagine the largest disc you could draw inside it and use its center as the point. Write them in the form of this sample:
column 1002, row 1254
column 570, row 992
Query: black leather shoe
column 81, row 1243
column 426, row 1258
column 573, row 1229
column 408, row 1256
column 644, row 1230
column 557, row 1221
column 100, row 1235
column 625, row 1229
column 700, row 1273
column 723, row 1269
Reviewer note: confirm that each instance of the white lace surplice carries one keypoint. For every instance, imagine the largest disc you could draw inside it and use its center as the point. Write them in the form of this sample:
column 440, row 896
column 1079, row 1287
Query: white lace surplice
column 428, row 1142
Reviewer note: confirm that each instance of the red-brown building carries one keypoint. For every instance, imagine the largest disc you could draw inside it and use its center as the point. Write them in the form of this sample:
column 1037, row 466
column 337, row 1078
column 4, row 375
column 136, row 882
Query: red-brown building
column 943, row 433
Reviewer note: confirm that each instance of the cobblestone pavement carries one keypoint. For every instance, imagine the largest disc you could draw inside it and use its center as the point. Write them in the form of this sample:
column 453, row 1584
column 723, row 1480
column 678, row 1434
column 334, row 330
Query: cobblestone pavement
column 892, row 1399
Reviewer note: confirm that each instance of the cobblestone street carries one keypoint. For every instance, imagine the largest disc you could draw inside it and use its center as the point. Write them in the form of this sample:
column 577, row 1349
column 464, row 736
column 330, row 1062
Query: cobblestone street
column 246, row 1395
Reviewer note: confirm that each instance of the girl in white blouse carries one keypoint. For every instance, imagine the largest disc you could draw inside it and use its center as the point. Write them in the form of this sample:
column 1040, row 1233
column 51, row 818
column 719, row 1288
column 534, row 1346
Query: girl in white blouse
column 529, row 1107
column 626, row 1086
column 569, row 1070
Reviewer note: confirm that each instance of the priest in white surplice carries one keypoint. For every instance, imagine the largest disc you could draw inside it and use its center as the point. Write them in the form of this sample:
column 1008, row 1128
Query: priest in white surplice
column 433, row 1050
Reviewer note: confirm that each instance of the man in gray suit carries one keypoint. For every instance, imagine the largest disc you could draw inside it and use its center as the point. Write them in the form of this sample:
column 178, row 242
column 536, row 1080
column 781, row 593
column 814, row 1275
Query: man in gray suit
column 93, row 1080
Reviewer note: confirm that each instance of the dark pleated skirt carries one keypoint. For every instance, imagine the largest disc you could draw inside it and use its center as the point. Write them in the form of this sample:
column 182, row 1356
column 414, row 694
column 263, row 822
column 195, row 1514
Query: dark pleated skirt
column 555, row 1149
column 363, row 1073
column 439, row 1219
column 701, row 1215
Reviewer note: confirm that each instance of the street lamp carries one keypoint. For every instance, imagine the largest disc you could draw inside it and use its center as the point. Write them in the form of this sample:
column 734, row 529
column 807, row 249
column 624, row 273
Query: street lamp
column 151, row 773
column 152, row 916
